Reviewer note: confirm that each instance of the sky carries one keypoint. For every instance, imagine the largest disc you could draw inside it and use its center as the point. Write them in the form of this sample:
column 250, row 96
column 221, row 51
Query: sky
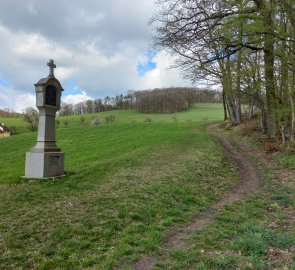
column 101, row 48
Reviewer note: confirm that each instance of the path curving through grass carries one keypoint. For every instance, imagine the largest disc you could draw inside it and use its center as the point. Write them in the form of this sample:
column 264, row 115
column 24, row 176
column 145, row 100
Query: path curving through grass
column 249, row 181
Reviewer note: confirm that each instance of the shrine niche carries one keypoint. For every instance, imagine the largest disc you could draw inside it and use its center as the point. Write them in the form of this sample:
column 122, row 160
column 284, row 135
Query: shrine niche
column 50, row 95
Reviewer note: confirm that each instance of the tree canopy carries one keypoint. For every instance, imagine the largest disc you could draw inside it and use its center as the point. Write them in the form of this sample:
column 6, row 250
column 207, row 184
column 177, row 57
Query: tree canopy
column 246, row 46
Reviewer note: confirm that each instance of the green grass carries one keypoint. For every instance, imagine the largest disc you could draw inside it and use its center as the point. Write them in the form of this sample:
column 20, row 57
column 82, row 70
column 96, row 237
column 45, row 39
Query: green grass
column 198, row 113
column 257, row 232
column 287, row 160
column 17, row 123
column 125, row 184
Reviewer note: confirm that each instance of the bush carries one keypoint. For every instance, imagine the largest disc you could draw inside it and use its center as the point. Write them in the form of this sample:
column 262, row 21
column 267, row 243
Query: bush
column 95, row 122
column 290, row 148
column 66, row 122
column 31, row 116
column 13, row 130
column 57, row 123
column 148, row 119
column 110, row 119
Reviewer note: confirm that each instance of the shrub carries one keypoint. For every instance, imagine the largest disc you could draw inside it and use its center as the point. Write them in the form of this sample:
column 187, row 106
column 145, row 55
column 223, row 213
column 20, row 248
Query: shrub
column 31, row 116
column 57, row 123
column 66, row 122
column 148, row 119
column 110, row 119
column 13, row 130
column 271, row 146
column 95, row 122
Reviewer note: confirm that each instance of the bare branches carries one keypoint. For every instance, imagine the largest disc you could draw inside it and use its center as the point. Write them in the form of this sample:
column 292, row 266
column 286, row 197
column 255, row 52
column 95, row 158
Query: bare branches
column 238, row 44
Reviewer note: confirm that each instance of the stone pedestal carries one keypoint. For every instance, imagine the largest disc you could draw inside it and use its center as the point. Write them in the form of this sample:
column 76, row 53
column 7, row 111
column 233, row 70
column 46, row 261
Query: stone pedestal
column 45, row 160
column 44, row 165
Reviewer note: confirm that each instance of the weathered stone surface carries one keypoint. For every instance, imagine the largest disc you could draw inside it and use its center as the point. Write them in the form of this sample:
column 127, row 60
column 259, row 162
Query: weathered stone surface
column 44, row 165
column 45, row 159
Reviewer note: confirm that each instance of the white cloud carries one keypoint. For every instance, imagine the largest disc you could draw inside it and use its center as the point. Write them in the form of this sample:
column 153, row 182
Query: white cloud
column 6, row 100
column 97, row 44
column 163, row 75
column 14, row 100
column 74, row 99
column 24, row 101
column 33, row 46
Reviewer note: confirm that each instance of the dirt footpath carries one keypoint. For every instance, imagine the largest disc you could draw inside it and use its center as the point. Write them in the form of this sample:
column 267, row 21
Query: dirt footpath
column 249, row 180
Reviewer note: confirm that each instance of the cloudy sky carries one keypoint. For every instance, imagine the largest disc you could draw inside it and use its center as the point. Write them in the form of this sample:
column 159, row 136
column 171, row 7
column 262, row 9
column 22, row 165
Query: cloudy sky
column 100, row 47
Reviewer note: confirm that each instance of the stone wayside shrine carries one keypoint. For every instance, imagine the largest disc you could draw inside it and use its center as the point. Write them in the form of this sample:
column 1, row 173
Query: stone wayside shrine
column 45, row 160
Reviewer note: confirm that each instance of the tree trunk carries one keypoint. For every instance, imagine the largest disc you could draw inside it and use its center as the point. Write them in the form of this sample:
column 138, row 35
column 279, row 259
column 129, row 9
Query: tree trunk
column 231, row 109
column 291, row 89
column 262, row 114
column 238, row 88
column 269, row 72
column 224, row 105
column 251, row 108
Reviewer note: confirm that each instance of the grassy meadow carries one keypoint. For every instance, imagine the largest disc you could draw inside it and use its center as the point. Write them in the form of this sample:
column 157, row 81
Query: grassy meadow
column 16, row 123
column 198, row 113
column 126, row 183
column 254, row 233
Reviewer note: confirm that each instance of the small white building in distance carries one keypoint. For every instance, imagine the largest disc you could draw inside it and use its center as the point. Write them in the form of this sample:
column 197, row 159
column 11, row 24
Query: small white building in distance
column 4, row 131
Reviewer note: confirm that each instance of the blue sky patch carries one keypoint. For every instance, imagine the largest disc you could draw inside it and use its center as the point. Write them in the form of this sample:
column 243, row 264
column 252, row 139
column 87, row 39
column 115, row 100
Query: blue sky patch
column 143, row 68
column 4, row 83
column 72, row 88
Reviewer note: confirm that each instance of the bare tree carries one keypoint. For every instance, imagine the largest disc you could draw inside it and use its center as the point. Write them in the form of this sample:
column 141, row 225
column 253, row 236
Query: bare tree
column 31, row 116
column 216, row 41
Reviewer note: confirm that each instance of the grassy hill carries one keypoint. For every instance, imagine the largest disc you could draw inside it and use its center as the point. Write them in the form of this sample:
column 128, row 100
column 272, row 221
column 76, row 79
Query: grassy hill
column 17, row 123
column 125, row 184
column 198, row 113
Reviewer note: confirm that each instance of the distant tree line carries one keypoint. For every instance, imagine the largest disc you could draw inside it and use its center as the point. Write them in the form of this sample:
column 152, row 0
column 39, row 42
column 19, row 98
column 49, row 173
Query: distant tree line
column 9, row 113
column 88, row 106
column 171, row 100
column 164, row 100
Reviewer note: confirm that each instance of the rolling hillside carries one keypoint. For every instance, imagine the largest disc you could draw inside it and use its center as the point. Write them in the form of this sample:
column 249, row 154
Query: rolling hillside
column 126, row 185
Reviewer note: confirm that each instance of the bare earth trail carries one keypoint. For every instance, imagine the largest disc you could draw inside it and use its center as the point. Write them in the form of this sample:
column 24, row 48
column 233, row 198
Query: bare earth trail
column 249, row 181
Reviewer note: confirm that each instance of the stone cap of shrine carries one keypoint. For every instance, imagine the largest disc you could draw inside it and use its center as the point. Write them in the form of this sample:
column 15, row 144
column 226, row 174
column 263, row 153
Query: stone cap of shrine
column 48, row 81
